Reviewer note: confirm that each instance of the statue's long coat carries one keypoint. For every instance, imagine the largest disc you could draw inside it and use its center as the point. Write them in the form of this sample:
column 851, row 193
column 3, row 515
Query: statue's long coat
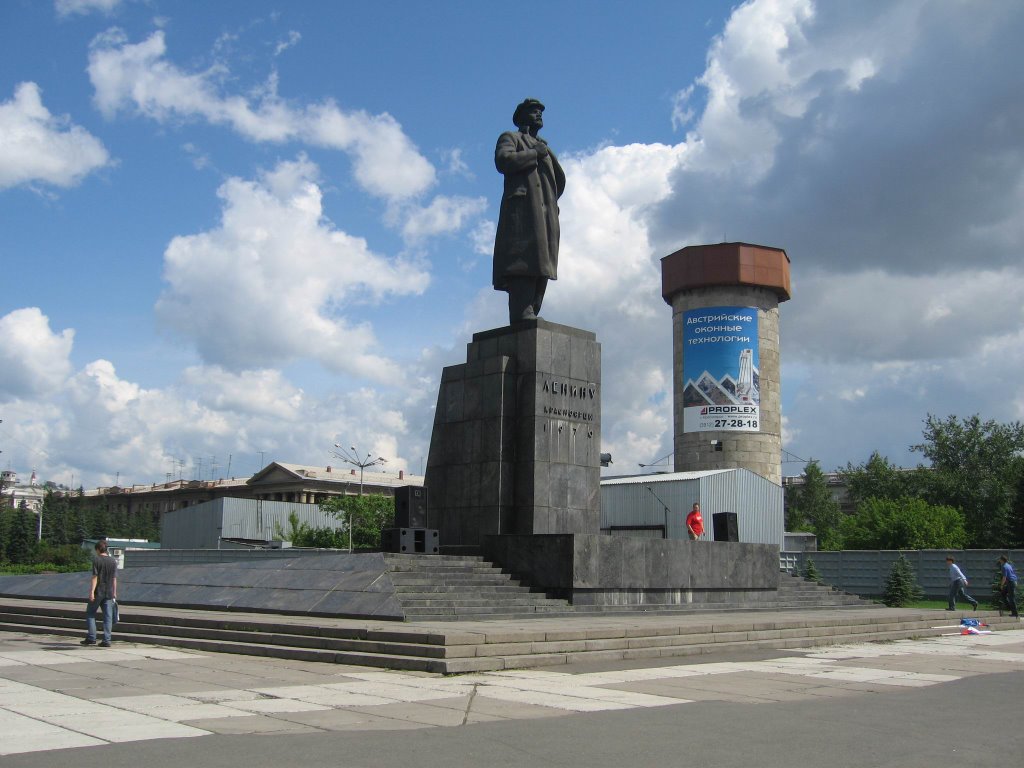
column 526, row 243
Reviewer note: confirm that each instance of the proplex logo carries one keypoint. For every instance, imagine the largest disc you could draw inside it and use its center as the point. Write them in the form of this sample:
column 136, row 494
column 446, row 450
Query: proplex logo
column 728, row 410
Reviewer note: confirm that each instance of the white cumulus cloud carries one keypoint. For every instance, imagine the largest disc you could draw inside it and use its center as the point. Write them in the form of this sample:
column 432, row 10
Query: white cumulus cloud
column 443, row 215
column 67, row 8
column 275, row 281
column 882, row 145
column 34, row 361
column 140, row 76
column 37, row 146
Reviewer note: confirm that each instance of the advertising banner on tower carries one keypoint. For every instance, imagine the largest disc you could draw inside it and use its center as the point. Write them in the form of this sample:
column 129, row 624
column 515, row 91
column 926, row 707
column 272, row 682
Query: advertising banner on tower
column 721, row 379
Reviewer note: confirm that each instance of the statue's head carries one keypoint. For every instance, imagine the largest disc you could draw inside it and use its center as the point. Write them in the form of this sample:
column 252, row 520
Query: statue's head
column 528, row 114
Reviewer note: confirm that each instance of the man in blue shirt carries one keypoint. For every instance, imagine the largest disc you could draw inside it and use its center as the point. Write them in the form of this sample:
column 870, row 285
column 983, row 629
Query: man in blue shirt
column 1008, row 585
column 957, row 582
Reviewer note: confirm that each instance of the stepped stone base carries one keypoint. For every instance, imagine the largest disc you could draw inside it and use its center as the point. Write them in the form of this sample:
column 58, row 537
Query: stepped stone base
column 471, row 646
column 621, row 570
column 568, row 576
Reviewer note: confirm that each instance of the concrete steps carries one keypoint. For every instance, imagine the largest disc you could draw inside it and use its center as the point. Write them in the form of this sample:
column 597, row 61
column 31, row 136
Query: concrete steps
column 454, row 587
column 469, row 646
column 230, row 633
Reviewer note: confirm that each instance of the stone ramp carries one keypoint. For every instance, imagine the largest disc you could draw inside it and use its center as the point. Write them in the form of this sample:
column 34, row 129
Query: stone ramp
column 326, row 585
column 393, row 587
column 469, row 646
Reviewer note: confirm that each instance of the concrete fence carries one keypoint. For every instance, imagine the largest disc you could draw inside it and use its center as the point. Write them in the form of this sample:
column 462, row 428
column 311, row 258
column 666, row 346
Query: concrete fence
column 863, row 572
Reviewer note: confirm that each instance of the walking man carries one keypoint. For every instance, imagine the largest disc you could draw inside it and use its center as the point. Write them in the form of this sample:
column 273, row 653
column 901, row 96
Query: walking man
column 102, row 595
column 957, row 584
column 1008, row 585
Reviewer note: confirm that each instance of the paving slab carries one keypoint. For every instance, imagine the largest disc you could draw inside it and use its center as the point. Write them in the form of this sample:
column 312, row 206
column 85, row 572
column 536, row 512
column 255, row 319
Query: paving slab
column 190, row 694
column 429, row 715
column 264, row 726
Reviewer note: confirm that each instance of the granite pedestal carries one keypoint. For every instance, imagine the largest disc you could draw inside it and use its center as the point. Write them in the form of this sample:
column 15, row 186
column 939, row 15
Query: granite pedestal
column 514, row 474
column 625, row 570
column 517, row 437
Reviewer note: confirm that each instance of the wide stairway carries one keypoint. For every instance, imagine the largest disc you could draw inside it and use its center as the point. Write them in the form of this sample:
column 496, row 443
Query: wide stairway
column 474, row 646
column 452, row 588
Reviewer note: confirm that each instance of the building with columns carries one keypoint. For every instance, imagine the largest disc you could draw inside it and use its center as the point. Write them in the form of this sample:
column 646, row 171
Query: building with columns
column 277, row 481
column 21, row 495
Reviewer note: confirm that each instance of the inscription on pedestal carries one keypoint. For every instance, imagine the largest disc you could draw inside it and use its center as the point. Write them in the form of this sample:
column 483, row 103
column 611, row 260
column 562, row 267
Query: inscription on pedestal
column 516, row 441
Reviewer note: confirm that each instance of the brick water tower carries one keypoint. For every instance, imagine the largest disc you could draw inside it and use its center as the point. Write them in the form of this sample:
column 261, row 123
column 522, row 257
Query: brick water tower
column 727, row 405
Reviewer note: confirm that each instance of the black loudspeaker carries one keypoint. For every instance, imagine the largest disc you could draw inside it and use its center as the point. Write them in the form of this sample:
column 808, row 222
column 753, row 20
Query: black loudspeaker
column 409, row 540
column 411, row 507
column 726, row 526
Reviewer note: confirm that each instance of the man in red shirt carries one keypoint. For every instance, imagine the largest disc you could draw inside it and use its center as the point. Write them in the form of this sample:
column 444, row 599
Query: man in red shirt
column 694, row 523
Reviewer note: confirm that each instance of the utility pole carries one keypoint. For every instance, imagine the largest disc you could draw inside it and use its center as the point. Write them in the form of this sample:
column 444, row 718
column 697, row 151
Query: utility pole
column 351, row 456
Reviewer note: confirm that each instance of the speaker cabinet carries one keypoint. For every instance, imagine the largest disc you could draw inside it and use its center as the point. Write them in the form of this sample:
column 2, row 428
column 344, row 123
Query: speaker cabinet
column 410, row 540
column 411, row 507
column 726, row 526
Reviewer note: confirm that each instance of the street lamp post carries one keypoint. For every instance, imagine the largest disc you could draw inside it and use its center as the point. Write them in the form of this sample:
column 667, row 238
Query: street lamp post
column 351, row 456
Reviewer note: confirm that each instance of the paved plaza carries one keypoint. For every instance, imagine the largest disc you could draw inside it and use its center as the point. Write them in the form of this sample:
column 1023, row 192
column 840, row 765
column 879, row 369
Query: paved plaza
column 57, row 695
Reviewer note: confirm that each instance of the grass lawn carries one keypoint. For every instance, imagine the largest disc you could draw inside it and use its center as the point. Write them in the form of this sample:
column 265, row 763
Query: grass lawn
column 932, row 604
column 983, row 605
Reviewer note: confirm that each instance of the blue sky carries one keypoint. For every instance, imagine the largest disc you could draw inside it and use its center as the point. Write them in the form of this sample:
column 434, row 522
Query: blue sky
column 235, row 228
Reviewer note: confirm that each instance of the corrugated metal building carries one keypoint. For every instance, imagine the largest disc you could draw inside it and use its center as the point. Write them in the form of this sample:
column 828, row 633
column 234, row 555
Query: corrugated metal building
column 657, row 505
column 203, row 525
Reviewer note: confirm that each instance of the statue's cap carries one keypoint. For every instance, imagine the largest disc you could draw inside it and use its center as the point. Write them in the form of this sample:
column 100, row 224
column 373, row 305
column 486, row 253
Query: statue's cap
column 525, row 105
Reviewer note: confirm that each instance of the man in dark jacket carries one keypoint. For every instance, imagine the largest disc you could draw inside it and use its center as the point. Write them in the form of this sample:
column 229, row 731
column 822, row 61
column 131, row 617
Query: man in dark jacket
column 526, row 243
column 102, row 595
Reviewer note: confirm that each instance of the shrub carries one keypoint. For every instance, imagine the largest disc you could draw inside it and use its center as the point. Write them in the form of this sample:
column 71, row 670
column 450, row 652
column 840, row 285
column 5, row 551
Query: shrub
column 903, row 523
column 901, row 585
column 811, row 570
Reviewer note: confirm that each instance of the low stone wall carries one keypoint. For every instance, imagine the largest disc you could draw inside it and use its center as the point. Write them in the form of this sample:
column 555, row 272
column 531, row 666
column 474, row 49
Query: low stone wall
column 614, row 570
column 356, row 586
column 864, row 571
column 151, row 558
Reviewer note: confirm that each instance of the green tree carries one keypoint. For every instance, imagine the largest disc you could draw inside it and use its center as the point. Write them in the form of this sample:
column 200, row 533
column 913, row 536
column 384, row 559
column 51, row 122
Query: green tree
column 98, row 519
column 904, row 523
column 369, row 514
column 57, row 525
column 21, row 535
column 5, row 530
column 296, row 532
column 1016, row 533
column 813, row 507
column 877, row 478
column 810, row 571
column 901, row 585
column 977, row 467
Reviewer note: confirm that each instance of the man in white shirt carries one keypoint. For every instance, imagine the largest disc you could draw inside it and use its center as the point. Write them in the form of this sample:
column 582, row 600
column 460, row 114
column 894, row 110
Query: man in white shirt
column 957, row 582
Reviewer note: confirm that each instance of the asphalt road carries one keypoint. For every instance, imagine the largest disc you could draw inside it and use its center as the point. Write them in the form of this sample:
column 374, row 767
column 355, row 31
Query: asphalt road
column 971, row 722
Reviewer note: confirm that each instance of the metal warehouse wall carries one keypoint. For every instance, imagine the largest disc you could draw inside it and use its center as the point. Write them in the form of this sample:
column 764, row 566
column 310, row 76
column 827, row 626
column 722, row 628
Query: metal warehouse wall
column 635, row 504
column 195, row 527
column 201, row 526
column 756, row 501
